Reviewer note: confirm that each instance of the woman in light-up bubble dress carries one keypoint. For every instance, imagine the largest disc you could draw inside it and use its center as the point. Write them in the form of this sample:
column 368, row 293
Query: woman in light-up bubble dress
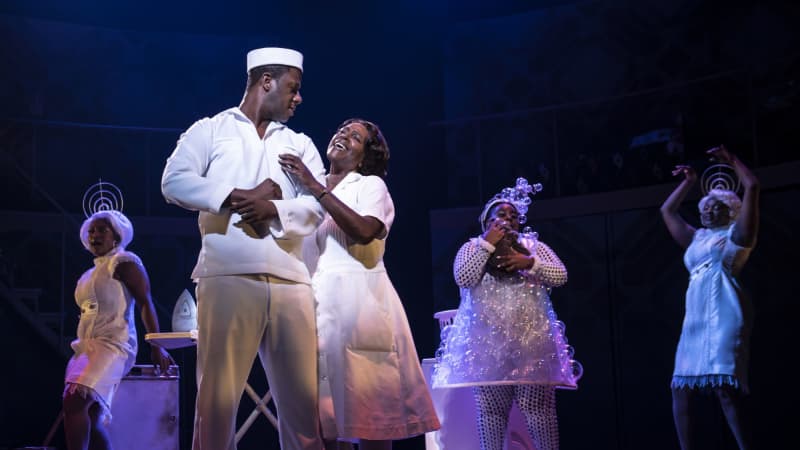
column 505, row 339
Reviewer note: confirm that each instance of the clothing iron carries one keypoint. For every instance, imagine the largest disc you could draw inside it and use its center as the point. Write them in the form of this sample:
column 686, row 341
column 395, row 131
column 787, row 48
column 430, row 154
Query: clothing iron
column 184, row 316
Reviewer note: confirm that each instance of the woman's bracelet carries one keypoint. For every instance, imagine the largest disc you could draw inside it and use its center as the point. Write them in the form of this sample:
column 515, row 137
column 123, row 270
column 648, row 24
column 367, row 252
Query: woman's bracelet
column 322, row 194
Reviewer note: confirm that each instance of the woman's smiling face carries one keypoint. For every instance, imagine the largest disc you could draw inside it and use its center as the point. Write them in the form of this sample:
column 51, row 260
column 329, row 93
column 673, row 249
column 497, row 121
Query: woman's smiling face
column 346, row 148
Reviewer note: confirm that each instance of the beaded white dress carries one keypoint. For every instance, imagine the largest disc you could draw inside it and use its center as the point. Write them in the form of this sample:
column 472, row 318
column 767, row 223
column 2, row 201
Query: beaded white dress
column 505, row 331
column 106, row 344
column 714, row 345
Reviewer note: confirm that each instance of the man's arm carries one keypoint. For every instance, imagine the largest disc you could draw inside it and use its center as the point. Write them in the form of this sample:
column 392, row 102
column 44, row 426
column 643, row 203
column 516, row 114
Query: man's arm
column 183, row 182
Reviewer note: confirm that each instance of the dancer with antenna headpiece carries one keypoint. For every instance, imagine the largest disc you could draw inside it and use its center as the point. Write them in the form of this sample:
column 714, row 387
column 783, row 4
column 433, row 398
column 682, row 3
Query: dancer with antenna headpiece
column 713, row 349
column 106, row 344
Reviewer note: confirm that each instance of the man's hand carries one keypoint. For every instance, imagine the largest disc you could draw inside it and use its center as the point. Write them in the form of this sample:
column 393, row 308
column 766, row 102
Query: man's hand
column 255, row 210
column 255, row 205
column 267, row 190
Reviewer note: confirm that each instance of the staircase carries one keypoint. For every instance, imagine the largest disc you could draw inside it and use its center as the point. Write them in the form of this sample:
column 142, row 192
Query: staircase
column 48, row 325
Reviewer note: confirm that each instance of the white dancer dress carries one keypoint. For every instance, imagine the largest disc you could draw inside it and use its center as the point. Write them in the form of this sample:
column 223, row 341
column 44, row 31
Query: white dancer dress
column 105, row 348
column 714, row 345
column 371, row 381
column 505, row 331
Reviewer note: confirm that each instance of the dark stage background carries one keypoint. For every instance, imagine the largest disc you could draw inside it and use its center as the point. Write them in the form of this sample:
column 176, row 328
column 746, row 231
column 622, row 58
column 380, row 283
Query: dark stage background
column 597, row 100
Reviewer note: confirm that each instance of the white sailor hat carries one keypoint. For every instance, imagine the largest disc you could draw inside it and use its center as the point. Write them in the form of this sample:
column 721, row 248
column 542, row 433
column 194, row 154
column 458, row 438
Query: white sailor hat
column 274, row 55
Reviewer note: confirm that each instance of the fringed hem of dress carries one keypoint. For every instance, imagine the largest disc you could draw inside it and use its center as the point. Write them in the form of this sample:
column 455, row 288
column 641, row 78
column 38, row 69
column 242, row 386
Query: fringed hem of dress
column 89, row 393
column 707, row 381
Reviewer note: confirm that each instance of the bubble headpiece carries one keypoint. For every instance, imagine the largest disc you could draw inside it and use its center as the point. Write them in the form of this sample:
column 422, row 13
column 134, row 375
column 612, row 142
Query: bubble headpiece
column 519, row 196
column 104, row 200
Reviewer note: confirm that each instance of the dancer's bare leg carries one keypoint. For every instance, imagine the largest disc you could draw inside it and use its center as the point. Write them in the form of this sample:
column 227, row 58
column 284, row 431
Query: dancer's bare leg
column 734, row 407
column 99, row 439
column 77, row 423
column 683, row 405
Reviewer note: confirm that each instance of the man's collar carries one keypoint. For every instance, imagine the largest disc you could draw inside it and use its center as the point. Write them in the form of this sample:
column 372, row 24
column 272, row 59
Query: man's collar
column 273, row 125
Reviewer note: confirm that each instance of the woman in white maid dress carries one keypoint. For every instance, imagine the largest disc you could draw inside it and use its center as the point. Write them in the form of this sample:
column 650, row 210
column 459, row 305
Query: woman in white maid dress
column 372, row 389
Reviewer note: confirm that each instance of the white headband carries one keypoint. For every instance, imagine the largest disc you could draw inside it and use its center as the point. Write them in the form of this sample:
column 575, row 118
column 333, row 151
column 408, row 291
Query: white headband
column 119, row 222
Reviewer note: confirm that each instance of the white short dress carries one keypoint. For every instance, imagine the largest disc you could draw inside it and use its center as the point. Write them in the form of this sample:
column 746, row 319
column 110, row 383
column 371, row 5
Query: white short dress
column 106, row 344
column 714, row 346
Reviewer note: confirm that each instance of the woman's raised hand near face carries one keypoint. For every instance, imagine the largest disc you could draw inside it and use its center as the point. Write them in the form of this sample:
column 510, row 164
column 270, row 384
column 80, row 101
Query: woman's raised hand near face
column 496, row 231
column 295, row 167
